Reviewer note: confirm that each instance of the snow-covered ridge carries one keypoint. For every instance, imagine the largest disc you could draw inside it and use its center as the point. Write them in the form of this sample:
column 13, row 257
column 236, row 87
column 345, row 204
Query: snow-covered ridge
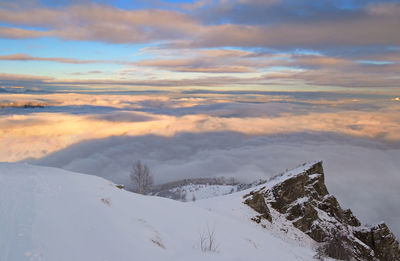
column 300, row 170
column 52, row 214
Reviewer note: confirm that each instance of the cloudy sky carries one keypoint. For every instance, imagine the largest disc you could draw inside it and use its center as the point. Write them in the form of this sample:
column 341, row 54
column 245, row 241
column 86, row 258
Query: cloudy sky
column 235, row 88
column 274, row 44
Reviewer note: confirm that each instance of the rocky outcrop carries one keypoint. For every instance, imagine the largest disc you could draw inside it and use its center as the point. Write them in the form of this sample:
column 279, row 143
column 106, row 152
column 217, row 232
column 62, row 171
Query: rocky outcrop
column 302, row 197
column 350, row 219
column 257, row 202
column 381, row 240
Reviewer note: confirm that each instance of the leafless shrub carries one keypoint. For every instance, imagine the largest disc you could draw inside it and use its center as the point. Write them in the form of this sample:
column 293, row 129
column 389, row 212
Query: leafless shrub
column 207, row 240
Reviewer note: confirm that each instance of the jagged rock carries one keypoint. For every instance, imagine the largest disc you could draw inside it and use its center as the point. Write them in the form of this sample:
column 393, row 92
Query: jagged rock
column 350, row 219
column 317, row 179
column 385, row 244
column 310, row 184
column 287, row 192
column 298, row 196
column 301, row 209
column 304, row 199
column 257, row 202
column 362, row 251
column 381, row 240
column 331, row 206
column 317, row 232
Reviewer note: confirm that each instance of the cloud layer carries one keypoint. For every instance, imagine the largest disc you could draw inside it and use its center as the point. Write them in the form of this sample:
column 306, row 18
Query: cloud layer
column 72, row 118
column 363, row 174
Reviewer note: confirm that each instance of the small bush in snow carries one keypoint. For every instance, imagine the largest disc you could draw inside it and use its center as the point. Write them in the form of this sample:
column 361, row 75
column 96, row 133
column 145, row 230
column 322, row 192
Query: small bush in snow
column 207, row 240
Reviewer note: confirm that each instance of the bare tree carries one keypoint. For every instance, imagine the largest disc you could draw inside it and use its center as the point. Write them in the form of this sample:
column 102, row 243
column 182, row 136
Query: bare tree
column 141, row 178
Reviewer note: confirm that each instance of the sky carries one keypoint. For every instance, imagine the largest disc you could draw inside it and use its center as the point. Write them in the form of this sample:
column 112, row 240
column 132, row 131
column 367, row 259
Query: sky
column 241, row 44
column 233, row 88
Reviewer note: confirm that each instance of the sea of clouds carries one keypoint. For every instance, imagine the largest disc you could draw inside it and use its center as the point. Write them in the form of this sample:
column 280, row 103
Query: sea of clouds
column 245, row 135
column 363, row 174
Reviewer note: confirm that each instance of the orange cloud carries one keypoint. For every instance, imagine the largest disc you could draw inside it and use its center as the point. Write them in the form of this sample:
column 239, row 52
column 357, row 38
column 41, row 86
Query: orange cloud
column 23, row 77
column 27, row 57
column 48, row 132
column 17, row 33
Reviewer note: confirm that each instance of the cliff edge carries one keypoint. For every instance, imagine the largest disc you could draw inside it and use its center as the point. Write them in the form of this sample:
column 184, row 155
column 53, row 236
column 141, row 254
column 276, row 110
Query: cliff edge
column 303, row 198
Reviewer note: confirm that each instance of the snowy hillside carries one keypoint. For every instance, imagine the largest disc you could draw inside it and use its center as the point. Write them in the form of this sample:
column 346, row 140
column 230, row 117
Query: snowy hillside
column 201, row 188
column 52, row 214
column 202, row 191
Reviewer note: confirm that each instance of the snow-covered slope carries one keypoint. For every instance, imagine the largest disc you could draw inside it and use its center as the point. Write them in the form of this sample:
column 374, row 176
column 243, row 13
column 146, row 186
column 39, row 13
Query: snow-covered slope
column 52, row 214
column 202, row 191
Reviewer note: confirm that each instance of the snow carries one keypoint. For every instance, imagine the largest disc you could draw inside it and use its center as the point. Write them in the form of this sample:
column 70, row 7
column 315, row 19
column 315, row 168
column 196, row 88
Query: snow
column 290, row 174
column 314, row 176
column 203, row 191
column 280, row 227
column 52, row 214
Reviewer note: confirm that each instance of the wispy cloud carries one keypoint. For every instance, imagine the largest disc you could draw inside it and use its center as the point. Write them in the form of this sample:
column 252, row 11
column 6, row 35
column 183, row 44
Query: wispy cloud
column 202, row 64
column 27, row 57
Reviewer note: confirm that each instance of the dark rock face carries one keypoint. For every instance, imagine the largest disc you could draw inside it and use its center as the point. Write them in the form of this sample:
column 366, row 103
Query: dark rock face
column 257, row 202
column 380, row 239
column 330, row 205
column 284, row 196
column 304, row 199
column 385, row 244
column 350, row 219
